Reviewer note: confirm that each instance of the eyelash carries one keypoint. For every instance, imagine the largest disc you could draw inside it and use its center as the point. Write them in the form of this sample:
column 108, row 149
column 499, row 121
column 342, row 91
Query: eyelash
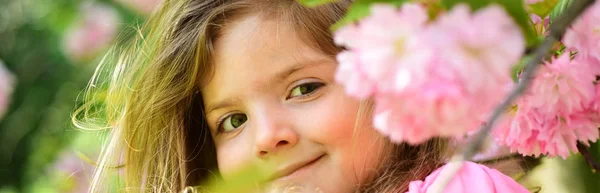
column 319, row 86
column 220, row 123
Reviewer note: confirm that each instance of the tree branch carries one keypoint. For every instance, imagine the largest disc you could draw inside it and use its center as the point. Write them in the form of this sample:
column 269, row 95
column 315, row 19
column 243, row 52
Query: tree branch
column 556, row 29
column 589, row 159
column 500, row 159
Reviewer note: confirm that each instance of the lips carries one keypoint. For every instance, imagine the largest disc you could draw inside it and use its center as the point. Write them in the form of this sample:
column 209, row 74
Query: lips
column 293, row 168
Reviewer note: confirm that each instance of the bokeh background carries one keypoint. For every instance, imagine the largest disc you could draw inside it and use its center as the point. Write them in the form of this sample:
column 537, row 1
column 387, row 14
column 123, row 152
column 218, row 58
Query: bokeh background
column 48, row 52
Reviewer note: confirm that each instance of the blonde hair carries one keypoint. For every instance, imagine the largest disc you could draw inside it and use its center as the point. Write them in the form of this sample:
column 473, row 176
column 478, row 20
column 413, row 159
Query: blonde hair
column 148, row 100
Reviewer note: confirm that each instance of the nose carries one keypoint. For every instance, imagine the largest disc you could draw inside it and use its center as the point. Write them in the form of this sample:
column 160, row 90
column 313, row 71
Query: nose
column 274, row 133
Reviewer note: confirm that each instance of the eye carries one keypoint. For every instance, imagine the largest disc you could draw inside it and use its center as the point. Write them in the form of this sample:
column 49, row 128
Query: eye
column 232, row 122
column 304, row 89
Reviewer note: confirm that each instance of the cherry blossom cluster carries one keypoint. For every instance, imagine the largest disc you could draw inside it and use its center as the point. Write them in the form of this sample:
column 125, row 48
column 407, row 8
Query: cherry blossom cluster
column 429, row 78
column 562, row 107
column 443, row 77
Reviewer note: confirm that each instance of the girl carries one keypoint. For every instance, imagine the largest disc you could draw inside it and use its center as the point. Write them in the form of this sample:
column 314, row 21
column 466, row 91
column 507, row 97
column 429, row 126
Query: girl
column 217, row 85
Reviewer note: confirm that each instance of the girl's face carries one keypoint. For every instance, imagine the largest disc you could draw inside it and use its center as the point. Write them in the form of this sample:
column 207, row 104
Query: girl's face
column 273, row 103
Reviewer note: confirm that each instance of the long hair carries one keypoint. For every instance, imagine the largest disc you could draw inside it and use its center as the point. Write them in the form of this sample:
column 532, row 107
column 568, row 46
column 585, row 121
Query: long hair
column 145, row 94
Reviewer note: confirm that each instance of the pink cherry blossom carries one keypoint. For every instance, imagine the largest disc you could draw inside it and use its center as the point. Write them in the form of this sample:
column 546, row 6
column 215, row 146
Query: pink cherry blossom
column 381, row 49
column 7, row 81
column 540, row 25
column 584, row 35
column 348, row 72
column 429, row 79
column 436, row 109
column 471, row 178
column 564, row 86
column 98, row 27
column 479, row 51
column 535, row 19
column 556, row 112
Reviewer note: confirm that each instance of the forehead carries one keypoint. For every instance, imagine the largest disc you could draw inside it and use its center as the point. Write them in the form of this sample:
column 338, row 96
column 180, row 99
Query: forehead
column 251, row 50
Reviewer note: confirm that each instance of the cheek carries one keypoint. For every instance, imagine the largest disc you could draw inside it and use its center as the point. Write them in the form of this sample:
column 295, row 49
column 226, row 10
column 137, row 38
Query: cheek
column 329, row 120
column 231, row 158
column 333, row 122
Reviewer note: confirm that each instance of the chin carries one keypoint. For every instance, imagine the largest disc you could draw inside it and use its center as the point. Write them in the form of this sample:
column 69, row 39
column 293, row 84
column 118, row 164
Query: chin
column 299, row 188
column 306, row 187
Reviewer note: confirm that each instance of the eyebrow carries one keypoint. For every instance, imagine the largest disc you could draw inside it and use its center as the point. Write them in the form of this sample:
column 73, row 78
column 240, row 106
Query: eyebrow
column 279, row 76
column 224, row 103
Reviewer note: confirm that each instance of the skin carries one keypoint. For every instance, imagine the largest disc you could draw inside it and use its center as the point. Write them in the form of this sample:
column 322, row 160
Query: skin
column 287, row 113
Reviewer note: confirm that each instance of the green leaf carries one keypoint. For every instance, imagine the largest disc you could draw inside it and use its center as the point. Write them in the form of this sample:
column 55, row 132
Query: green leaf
column 515, row 8
column 244, row 180
column 314, row 3
column 517, row 69
column 474, row 4
column 360, row 9
column 542, row 8
column 558, row 10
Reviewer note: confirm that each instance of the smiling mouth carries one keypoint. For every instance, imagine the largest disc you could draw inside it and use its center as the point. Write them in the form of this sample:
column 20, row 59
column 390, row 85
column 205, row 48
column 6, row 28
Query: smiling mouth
column 294, row 168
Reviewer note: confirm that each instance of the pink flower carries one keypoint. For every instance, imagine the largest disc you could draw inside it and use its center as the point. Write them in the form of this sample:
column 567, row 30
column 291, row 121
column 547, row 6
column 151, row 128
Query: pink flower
column 348, row 72
column 535, row 19
column 532, row 133
column 96, row 31
column 381, row 50
column 436, row 109
column 584, row 35
column 471, row 178
column 564, row 86
column 540, row 25
column 479, row 52
column 429, row 79
column 556, row 112
column 7, row 82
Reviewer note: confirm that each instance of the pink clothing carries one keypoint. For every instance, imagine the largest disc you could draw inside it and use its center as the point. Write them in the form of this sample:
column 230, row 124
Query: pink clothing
column 472, row 178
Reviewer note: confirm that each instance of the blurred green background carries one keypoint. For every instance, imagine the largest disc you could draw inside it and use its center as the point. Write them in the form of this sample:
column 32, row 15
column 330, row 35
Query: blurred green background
column 51, row 48
column 48, row 52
